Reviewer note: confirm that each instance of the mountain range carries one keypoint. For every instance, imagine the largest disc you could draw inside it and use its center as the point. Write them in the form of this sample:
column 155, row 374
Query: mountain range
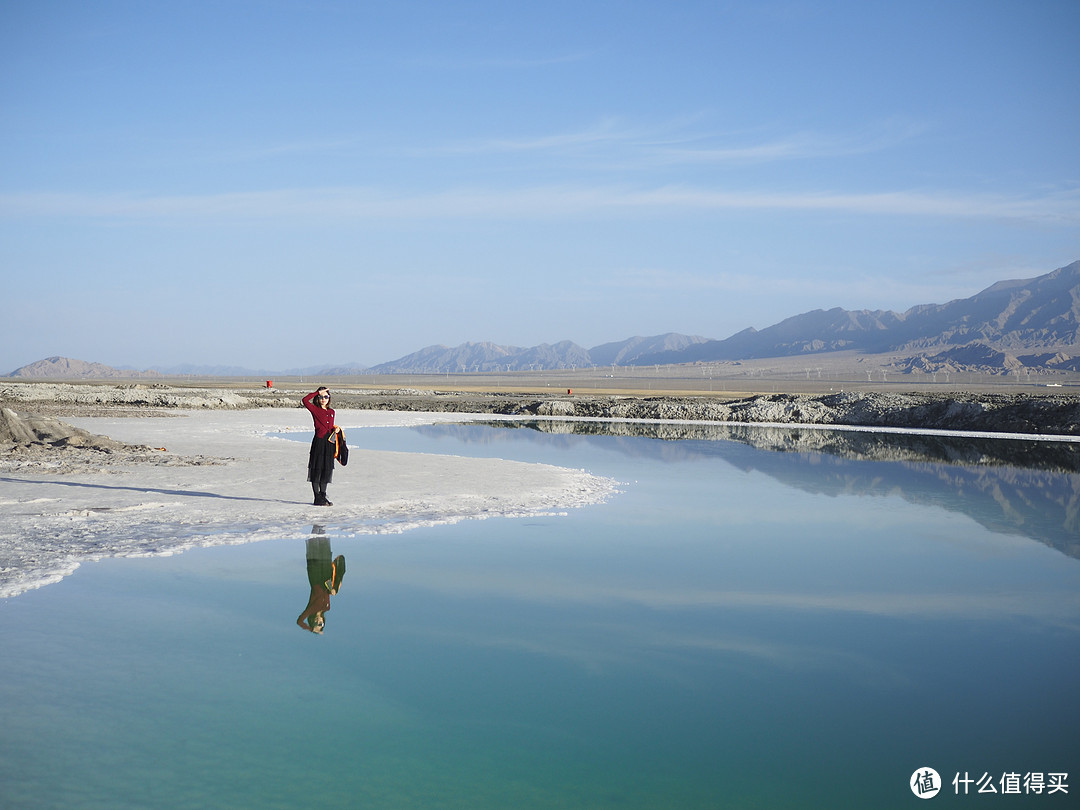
column 564, row 355
column 1018, row 315
column 1011, row 324
column 1024, row 323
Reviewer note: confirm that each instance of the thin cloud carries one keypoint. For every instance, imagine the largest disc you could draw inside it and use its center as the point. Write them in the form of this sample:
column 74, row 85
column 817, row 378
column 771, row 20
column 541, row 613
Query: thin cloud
column 798, row 146
column 542, row 589
column 603, row 133
column 1058, row 207
column 496, row 62
column 550, row 202
column 811, row 288
column 285, row 149
column 625, row 147
column 656, row 649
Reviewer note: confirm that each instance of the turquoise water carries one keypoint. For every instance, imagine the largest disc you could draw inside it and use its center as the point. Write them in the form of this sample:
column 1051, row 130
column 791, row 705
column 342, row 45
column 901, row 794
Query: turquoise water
column 739, row 627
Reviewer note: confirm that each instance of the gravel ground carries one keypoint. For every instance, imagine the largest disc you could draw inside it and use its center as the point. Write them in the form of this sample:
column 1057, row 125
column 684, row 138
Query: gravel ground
column 1049, row 414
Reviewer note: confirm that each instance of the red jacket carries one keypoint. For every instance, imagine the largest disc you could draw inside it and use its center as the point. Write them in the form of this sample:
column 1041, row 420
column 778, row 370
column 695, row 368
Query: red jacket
column 323, row 417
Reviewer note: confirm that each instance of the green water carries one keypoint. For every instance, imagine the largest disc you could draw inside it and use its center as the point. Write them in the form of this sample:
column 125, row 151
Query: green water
column 738, row 628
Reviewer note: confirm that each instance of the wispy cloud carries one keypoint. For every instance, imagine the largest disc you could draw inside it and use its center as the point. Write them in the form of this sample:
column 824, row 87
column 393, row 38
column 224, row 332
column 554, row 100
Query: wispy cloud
column 520, row 62
column 1064, row 207
column 683, row 142
column 808, row 286
column 662, row 650
column 552, row 202
column 603, row 133
column 285, row 149
column 717, row 149
column 539, row 588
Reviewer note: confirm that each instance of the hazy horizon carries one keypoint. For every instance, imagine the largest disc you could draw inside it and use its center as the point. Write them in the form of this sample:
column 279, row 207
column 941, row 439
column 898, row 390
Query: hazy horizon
column 272, row 186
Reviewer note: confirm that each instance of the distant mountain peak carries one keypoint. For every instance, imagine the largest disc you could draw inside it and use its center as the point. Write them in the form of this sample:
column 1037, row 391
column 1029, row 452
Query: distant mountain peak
column 55, row 368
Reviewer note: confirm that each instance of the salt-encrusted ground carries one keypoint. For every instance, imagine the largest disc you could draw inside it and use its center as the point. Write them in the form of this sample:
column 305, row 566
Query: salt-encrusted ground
column 223, row 478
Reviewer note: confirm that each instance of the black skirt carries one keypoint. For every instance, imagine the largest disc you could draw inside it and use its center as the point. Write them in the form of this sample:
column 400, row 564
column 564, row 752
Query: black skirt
column 320, row 466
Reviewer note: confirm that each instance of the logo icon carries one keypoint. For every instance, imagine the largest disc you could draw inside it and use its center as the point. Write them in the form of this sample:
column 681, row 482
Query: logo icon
column 925, row 783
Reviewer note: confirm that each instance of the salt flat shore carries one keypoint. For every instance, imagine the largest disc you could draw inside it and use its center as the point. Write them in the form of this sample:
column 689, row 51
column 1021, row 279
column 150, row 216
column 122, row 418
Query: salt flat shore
column 85, row 474
column 110, row 486
column 1051, row 413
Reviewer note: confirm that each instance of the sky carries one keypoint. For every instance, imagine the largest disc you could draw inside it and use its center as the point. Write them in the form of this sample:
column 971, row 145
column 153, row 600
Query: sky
column 294, row 183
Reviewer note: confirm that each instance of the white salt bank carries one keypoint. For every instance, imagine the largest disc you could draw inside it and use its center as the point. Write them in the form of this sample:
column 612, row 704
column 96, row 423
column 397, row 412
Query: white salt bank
column 224, row 478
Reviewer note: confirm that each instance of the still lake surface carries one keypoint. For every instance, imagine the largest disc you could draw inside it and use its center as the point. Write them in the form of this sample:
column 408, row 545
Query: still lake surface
column 761, row 618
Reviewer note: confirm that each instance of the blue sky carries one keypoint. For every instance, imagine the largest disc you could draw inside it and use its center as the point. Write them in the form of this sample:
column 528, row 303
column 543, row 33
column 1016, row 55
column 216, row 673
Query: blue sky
column 290, row 183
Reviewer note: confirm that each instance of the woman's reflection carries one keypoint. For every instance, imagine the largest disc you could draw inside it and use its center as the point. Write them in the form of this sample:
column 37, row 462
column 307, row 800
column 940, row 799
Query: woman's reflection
column 324, row 575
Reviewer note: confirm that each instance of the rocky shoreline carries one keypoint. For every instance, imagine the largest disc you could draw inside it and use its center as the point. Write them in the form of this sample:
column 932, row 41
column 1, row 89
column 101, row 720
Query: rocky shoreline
column 1049, row 414
column 991, row 413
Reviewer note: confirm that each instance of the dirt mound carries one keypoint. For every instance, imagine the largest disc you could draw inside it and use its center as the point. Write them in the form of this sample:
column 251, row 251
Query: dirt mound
column 30, row 432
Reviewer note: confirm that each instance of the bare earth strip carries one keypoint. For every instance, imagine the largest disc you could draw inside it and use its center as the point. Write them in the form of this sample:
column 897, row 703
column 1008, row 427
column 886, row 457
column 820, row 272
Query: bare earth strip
column 1047, row 411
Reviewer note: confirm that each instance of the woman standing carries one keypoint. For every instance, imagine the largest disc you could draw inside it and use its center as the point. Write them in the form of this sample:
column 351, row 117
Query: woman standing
column 321, row 458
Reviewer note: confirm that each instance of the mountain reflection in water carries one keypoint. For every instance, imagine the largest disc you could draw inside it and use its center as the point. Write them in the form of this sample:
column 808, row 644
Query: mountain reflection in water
column 1013, row 486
